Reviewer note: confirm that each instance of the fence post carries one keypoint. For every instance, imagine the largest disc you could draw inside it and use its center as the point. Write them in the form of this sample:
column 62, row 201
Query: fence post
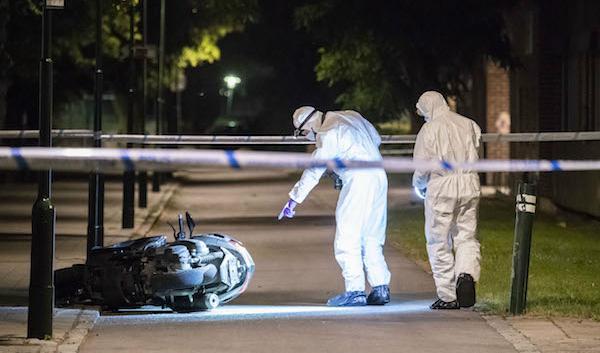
column 525, row 212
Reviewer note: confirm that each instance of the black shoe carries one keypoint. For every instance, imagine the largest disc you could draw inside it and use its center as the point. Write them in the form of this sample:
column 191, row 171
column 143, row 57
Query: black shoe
column 442, row 305
column 465, row 290
column 380, row 295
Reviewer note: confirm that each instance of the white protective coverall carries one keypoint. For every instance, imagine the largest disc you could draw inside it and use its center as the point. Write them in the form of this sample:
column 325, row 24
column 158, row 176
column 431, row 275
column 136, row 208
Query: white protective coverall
column 452, row 198
column 361, row 213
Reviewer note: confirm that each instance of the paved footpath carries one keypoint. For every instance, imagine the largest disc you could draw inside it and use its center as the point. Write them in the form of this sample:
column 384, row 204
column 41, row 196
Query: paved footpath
column 283, row 310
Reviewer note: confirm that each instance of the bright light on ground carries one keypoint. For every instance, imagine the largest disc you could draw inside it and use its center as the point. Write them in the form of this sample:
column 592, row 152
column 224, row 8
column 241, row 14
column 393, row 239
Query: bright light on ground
column 266, row 312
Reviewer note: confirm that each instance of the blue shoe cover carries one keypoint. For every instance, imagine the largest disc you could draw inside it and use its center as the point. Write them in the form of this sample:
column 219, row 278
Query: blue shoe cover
column 356, row 298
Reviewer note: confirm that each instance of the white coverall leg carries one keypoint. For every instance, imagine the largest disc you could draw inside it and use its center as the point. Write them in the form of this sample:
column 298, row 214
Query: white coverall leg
column 439, row 217
column 360, row 232
column 451, row 224
column 467, row 255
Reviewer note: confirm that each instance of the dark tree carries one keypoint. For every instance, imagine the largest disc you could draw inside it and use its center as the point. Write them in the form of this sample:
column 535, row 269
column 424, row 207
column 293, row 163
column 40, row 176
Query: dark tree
column 380, row 55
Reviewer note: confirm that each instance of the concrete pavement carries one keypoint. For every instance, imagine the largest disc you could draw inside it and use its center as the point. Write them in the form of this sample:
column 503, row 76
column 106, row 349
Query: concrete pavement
column 283, row 309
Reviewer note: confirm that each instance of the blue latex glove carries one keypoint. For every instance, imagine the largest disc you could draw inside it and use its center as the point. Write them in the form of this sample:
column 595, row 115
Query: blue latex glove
column 421, row 193
column 288, row 210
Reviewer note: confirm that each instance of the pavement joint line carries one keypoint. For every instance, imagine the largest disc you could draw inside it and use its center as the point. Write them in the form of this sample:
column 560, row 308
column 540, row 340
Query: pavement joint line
column 560, row 328
column 75, row 337
column 519, row 341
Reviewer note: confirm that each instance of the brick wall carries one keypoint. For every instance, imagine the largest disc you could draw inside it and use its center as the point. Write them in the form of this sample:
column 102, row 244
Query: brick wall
column 497, row 114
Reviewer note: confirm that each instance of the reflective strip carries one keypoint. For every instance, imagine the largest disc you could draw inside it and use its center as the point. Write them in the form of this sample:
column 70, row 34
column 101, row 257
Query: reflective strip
column 447, row 165
column 21, row 162
column 127, row 162
column 233, row 163
column 526, row 198
column 525, row 207
column 339, row 164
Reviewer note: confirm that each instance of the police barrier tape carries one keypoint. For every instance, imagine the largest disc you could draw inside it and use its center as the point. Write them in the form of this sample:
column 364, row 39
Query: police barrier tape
column 114, row 159
column 286, row 140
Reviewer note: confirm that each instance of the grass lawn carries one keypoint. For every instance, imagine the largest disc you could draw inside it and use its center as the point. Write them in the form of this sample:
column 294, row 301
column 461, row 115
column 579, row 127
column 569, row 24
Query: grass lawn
column 564, row 274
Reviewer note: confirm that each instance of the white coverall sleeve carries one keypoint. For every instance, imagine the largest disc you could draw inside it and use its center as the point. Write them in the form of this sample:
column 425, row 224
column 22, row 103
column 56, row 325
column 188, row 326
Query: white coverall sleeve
column 423, row 151
column 326, row 149
column 477, row 141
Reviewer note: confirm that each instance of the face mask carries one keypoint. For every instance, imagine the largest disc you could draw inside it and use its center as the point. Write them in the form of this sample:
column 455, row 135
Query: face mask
column 422, row 115
column 312, row 135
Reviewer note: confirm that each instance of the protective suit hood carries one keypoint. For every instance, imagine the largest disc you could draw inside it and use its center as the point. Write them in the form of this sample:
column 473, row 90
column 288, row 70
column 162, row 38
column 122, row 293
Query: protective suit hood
column 307, row 112
column 431, row 105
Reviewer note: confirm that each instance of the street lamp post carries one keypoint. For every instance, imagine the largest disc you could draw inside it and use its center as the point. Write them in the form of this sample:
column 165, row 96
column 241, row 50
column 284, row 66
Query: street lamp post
column 95, row 233
column 41, row 283
column 231, row 81
column 129, row 176
column 156, row 176
column 142, row 175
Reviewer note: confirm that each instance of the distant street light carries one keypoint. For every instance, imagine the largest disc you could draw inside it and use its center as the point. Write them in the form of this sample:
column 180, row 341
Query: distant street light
column 231, row 81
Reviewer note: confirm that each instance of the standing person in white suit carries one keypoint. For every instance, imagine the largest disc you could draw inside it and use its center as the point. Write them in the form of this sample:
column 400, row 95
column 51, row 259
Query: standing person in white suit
column 451, row 200
column 361, row 213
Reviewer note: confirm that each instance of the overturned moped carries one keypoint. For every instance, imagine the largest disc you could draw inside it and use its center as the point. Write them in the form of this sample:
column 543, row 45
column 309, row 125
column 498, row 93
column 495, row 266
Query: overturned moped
column 192, row 273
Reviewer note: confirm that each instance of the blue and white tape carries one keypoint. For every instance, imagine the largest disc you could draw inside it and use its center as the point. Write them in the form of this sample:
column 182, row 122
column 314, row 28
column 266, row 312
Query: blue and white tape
column 113, row 159
column 287, row 140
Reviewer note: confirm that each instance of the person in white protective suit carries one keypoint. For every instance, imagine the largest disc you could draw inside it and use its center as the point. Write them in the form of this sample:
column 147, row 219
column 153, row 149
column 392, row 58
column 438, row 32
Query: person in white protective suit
column 451, row 200
column 361, row 213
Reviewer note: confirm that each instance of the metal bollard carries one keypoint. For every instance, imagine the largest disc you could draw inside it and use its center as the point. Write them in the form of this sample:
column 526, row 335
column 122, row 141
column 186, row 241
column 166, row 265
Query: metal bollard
column 41, row 283
column 128, row 200
column 525, row 212
column 142, row 189
column 156, row 181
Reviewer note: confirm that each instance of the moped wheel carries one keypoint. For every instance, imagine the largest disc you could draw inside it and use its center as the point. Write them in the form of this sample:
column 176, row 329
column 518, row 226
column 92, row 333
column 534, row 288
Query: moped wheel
column 210, row 301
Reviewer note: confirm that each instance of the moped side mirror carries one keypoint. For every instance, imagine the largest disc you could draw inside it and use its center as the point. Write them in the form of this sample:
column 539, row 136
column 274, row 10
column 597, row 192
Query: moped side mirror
column 190, row 222
column 181, row 234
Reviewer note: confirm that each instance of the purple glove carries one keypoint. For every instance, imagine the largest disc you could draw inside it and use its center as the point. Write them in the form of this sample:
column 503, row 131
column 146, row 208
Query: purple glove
column 288, row 210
